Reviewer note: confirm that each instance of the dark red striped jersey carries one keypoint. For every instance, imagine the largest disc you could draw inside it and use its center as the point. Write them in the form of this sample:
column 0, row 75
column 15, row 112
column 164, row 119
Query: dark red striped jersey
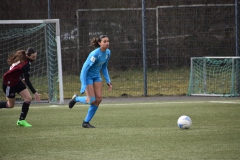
column 16, row 71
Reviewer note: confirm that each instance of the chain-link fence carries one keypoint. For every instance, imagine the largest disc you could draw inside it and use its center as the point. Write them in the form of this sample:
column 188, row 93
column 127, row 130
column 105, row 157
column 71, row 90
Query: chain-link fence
column 175, row 32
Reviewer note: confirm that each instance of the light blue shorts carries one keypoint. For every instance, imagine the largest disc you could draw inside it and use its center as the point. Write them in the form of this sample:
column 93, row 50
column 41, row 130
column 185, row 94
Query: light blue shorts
column 90, row 81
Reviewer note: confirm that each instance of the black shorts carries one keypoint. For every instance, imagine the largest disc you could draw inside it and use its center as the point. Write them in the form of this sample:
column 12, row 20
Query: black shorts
column 10, row 91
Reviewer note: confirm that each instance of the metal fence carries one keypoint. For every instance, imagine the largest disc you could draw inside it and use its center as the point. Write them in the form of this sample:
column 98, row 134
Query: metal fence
column 175, row 32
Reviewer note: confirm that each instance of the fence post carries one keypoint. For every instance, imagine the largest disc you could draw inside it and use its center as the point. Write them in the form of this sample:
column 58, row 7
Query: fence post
column 237, row 44
column 49, row 9
column 237, row 25
column 144, row 47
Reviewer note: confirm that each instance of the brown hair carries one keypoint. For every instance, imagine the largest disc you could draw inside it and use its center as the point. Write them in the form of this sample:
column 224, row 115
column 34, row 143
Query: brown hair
column 94, row 42
column 20, row 56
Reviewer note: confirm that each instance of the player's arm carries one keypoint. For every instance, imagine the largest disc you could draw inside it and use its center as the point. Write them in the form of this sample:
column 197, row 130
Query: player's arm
column 88, row 63
column 83, row 76
column 27, row 81
column 23, row 79
column 106, row 74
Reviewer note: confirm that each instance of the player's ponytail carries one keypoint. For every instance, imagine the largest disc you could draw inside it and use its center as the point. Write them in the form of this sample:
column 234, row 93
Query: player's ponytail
column 94, row 42
column 18, row 56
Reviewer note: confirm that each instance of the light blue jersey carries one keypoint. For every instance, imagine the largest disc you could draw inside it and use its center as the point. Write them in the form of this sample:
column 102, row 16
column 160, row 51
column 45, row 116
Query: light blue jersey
column 96, row 61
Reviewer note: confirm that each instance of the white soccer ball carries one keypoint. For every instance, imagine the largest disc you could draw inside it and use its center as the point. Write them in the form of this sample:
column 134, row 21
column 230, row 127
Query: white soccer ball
column 184, row 122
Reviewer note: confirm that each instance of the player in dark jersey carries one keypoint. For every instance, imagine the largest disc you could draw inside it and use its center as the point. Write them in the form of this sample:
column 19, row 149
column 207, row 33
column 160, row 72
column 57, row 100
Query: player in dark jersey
column 16, row 79
column 91, row 81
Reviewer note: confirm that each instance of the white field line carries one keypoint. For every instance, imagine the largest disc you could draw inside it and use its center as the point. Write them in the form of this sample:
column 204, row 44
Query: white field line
column 144, row 103
column 231, row 102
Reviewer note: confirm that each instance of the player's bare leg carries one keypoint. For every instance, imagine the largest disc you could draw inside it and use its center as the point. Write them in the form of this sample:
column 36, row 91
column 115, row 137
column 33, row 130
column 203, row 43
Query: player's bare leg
column 94, row 90
column 9, row 104
column 25, row 107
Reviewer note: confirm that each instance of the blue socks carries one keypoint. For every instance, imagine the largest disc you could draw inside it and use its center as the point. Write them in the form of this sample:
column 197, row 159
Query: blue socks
column 81, row 99
column 92, row 108
column 91, row 111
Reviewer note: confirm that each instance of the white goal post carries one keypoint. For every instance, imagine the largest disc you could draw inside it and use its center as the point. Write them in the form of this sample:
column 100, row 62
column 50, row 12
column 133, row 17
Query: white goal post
column 44, row 35
column 214, row 76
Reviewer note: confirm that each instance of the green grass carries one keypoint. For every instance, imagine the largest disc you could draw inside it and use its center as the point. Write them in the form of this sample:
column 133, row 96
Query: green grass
column 125, row 131
column 125, row 83
column 131, row 83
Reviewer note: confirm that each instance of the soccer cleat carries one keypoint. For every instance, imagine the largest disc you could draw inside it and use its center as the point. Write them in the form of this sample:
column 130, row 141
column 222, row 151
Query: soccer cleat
column 72, row 101
column 23, row 123
column 87, row 125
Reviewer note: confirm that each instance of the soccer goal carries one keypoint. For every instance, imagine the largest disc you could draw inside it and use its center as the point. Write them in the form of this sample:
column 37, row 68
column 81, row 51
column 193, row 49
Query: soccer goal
column 44, row 36
column 214, row 76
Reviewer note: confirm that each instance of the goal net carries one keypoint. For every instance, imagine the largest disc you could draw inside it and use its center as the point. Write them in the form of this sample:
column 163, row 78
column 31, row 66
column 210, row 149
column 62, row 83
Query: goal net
column 44, row 36
column 214, row 76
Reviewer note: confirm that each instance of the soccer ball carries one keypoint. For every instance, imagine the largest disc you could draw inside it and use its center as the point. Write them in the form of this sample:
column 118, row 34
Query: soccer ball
column 184, row 122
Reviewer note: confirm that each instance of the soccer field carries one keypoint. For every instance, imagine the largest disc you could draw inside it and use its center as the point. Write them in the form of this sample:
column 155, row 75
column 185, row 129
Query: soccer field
column 127, row 129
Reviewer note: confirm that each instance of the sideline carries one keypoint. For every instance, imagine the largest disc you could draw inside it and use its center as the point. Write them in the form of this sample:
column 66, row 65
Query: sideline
column 141, row 103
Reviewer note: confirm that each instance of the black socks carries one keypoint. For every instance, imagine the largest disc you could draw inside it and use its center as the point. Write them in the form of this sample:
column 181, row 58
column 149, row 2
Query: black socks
column 3, row 104
column 25, row 108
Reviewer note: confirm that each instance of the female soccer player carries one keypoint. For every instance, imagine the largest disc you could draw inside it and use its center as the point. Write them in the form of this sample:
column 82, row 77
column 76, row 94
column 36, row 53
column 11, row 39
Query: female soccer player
column 90, row 78
column 20, row 63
